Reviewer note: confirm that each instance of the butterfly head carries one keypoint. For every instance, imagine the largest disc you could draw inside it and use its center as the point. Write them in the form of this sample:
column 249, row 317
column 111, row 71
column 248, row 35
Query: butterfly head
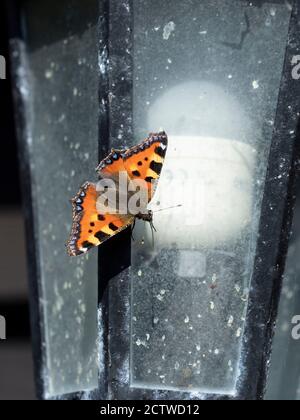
column 147, row 217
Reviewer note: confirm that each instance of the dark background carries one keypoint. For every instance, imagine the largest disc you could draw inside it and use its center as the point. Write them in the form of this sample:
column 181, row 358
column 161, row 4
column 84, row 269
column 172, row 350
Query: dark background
column 16, row 377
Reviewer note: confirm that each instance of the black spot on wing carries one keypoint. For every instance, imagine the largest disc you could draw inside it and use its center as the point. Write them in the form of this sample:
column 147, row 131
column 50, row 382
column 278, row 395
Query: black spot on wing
column 156, row 167
column 101, row 218
column 164, row 140
column 102, row 236
column 113, row 227
column 149, row 179
column 136, row 173
column 160, row 151
column 87, row 245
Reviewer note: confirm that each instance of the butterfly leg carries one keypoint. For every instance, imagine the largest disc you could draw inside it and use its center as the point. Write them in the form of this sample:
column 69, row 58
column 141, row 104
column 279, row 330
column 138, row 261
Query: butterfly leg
column 152, row 233
column 153, row 227
column 132, row 229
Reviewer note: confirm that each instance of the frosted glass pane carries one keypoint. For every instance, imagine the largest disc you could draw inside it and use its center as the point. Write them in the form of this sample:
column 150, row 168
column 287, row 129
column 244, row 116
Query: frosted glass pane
column 208, row 72
column 62, row 104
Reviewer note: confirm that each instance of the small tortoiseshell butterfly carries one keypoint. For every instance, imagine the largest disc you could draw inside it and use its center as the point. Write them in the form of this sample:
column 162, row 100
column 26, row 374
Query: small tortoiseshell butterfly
column 91, row 226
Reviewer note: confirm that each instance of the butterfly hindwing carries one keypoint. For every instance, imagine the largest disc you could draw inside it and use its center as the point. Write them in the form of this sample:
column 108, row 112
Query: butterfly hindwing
column 90, row 228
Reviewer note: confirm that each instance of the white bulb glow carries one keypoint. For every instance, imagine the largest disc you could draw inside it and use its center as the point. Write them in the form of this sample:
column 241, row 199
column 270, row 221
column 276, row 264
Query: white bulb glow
column 211, row 176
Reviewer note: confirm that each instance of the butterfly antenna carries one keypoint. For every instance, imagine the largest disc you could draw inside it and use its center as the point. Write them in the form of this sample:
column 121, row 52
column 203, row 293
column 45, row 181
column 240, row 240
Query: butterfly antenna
column 167, row 208
column 152, row 232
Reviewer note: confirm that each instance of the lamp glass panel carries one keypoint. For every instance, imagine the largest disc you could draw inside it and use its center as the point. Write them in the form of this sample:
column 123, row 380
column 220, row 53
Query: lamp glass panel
column 209, row 74
column 60, row 87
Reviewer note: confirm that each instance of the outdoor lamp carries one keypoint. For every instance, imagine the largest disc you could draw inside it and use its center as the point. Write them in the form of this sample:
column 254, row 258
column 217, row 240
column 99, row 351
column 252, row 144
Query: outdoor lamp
column 188, row 311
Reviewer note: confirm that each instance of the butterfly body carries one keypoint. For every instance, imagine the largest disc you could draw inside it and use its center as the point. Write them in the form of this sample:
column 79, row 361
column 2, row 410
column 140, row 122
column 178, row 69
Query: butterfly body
column 147, row 217
column 123, row 174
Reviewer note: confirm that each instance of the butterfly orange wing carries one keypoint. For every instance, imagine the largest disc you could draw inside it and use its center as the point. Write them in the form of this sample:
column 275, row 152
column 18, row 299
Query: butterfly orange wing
column 90, row 228
column 112, row 164
column 143, row 161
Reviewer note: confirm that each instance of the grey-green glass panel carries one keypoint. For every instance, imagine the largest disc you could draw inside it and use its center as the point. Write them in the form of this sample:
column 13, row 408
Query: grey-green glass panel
column 62, row 99
column 208, row 73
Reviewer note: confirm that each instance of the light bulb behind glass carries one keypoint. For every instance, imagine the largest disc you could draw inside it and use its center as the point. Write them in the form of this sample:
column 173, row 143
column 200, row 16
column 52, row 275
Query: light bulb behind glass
column 209, row 167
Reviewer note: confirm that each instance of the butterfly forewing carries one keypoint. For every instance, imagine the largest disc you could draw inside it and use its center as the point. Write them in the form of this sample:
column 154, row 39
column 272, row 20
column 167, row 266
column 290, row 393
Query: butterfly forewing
column 145, row 161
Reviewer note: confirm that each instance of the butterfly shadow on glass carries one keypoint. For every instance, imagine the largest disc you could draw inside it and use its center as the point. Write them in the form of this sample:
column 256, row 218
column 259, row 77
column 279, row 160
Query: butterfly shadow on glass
column 114, row 257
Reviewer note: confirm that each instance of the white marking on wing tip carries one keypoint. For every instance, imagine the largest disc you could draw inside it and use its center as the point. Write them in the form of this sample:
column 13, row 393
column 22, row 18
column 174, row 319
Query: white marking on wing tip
column 163, row 146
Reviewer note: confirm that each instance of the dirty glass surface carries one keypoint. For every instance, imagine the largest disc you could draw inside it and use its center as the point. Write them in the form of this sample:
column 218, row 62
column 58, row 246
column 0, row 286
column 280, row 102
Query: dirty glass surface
column 61, row 95
column 284, row 376
column 209, row 74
